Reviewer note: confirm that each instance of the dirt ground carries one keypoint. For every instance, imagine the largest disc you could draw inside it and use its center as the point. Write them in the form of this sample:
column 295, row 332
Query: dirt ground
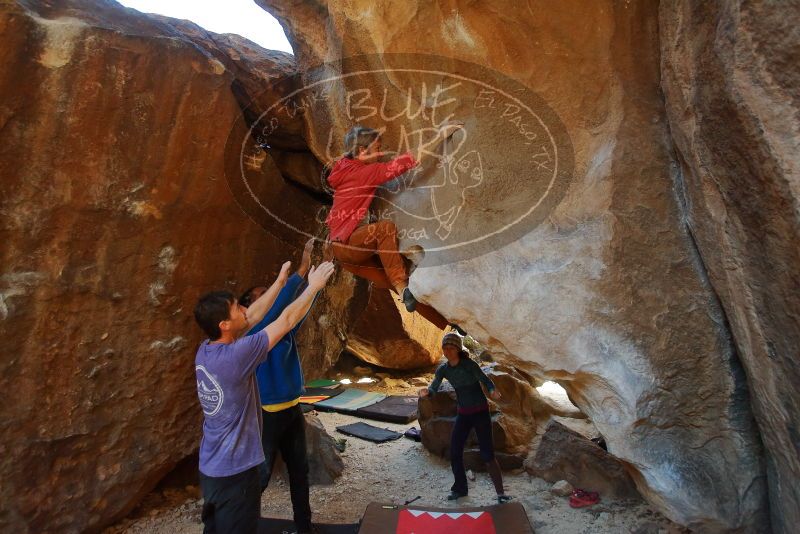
column 395, row 472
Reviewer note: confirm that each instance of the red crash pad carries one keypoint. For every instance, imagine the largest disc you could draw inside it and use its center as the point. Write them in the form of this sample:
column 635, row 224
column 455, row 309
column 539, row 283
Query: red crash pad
column 396, row 519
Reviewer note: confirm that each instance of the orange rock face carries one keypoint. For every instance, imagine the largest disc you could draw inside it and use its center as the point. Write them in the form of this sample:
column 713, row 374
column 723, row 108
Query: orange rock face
column 124, row 197
column 385, row 334
column 654, row 275
column 116, row 216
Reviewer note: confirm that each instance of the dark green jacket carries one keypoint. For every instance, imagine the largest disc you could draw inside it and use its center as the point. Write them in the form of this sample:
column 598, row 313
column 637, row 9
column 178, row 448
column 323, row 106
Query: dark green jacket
column 466, row 379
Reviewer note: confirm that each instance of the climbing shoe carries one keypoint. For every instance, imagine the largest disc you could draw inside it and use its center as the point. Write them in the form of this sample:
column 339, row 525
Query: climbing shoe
column 409, row 300
column 458, row 329
column 502, row 499
column 581, row 498
column 454, row 496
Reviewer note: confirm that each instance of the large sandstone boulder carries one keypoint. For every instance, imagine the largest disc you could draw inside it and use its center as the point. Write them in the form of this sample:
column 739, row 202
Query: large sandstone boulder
column 325, row 464
column 598, row 285
column 563, row 454
column 385, row 334
column 127, row 193
column 655, row 254
column 731, row 82
column 116, row 216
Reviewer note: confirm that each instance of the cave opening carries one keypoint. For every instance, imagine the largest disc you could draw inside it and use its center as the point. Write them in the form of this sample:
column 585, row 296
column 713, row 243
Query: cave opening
column 240, row 17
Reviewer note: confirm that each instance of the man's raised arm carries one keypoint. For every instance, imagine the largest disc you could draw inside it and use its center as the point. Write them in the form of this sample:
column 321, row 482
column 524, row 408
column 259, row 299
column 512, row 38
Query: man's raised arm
column 294, row 312
column 259, row 308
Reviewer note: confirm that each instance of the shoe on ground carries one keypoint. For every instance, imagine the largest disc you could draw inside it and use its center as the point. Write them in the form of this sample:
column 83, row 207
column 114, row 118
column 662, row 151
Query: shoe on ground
column 454, row 496
column 502, row 499
column 581, row 498
column 409, row 300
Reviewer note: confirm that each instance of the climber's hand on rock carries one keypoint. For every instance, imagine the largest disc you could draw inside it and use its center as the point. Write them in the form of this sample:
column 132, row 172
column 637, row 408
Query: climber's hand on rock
column 495, row 395
column 319, row 276
column 305, row 261
column 327, row 252
column 423, row 393
column 448, row 128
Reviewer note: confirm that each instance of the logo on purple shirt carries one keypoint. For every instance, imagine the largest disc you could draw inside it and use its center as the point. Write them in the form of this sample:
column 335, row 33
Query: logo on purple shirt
column 208, row 391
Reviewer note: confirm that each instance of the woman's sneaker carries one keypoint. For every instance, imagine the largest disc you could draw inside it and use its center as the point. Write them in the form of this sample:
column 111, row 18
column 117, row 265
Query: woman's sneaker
column 454, row 496
column 502, row 499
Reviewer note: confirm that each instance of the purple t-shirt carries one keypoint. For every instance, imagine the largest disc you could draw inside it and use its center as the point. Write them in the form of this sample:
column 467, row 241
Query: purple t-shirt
column 226, row 387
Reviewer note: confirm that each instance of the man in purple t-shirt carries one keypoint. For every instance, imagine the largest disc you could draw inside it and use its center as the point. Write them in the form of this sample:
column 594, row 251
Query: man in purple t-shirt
column 230, row 449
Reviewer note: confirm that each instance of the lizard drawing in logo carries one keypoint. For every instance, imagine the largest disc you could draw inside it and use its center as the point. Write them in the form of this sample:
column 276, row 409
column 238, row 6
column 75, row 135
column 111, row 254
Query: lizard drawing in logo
column 448, row 188
column 463, row 174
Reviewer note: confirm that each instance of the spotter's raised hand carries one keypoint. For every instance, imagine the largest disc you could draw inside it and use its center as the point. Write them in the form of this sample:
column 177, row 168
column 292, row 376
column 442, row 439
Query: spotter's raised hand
column 319, row 276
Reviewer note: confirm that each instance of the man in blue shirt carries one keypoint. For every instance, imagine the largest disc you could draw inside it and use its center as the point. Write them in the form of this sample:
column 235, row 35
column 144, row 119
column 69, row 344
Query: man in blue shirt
column 280, row 385
column 230, row 448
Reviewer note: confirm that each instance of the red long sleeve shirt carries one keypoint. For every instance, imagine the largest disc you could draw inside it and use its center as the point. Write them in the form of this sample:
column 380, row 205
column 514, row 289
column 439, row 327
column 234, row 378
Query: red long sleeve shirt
column 354, row 183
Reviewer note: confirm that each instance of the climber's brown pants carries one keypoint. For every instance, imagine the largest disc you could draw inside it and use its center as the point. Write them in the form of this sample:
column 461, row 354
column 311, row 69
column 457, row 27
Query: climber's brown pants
column 372, row 252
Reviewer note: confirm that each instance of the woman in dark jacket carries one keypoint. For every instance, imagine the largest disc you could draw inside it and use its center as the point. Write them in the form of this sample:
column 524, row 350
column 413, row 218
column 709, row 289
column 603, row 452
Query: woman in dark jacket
column 466, row 377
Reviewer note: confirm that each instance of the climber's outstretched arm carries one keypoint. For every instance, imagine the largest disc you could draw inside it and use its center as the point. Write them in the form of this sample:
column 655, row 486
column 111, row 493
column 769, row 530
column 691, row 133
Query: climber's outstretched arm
column 437, row 382
column 305, row 261
column 258, row 309
column 296, row 311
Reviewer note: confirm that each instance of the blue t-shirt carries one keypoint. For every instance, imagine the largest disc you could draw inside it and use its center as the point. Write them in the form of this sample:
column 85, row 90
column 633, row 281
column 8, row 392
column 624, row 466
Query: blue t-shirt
column 226, row 387
column 280, row 378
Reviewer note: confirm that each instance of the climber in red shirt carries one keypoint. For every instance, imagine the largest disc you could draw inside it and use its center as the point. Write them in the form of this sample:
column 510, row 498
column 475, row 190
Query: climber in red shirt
column 371, row 250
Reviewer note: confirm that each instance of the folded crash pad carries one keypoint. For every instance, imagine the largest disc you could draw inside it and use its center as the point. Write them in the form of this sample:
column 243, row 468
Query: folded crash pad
column 349, row 401
column 314, row 395
column 322, row 383
column 396, row 519
column 393, row 409
column 368, row 432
